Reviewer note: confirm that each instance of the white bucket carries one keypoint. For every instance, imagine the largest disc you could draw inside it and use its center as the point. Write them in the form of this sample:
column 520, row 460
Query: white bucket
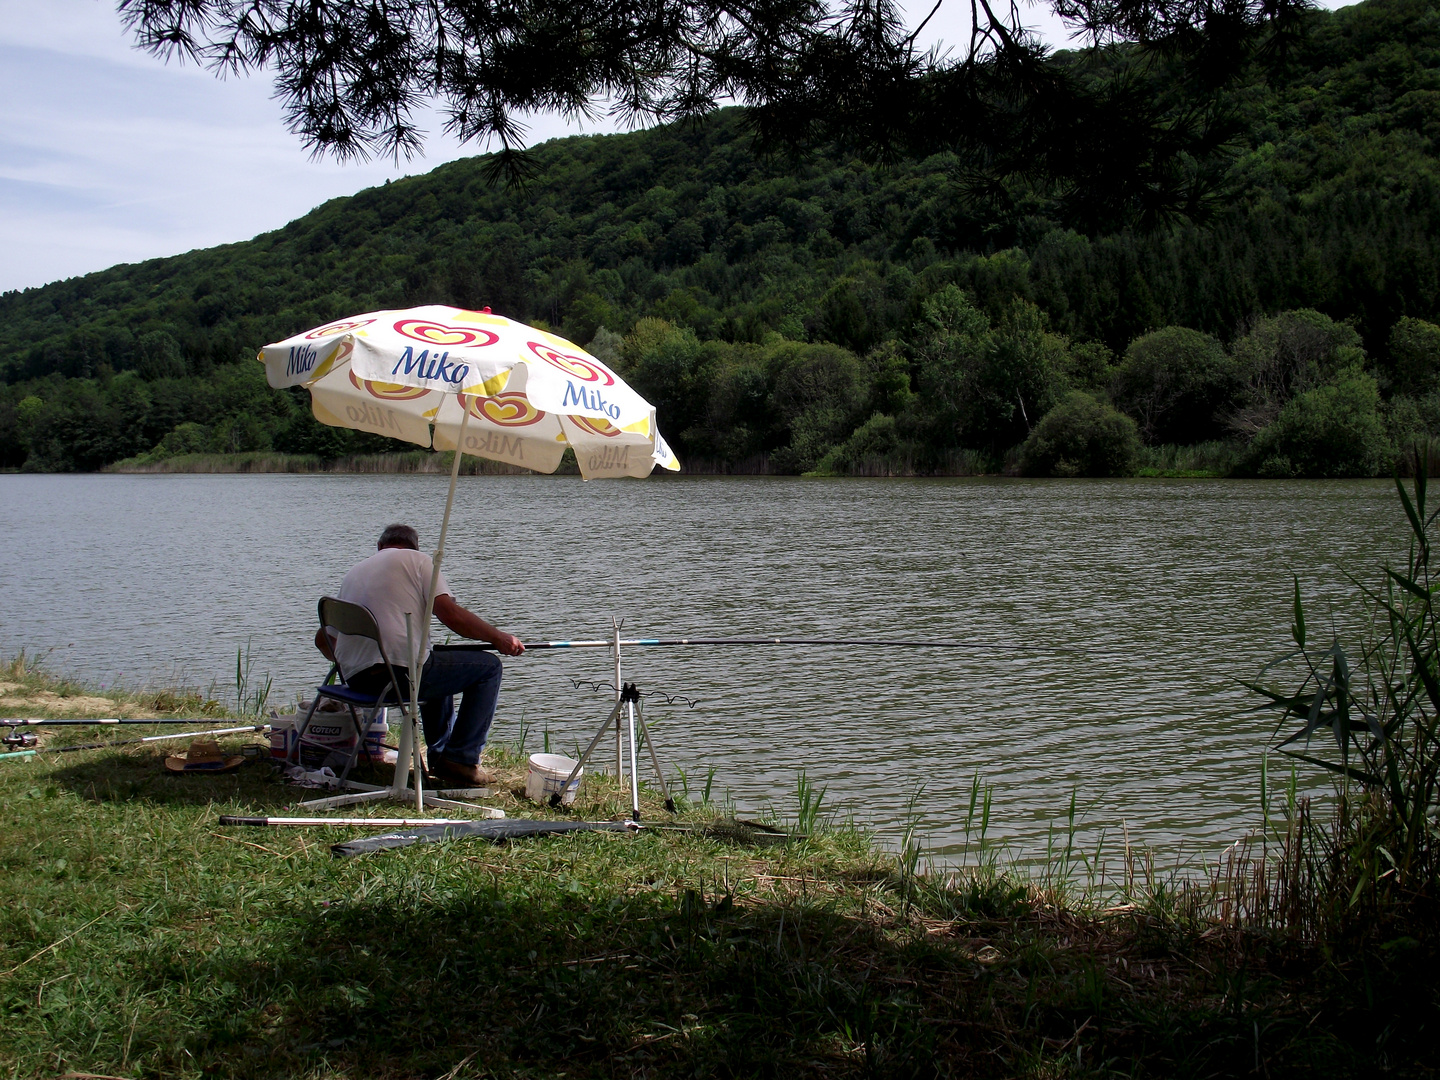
column 547, row 777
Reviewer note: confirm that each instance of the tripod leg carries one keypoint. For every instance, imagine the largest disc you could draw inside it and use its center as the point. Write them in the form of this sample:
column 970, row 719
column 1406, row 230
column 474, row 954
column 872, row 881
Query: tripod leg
column 634, row 771
column 659, row 773
column 613, row 718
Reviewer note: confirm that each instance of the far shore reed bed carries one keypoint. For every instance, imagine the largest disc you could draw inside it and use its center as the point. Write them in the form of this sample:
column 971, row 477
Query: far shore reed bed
column 414, row 461
column 144, row 939
column 1205, row 461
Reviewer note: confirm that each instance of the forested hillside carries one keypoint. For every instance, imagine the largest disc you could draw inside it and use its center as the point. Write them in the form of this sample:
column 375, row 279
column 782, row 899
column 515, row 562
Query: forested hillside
column 793, row 315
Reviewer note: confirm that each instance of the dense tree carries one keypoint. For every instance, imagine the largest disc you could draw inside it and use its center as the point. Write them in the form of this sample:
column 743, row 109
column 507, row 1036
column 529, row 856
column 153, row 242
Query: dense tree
column 1332, row 430
column 350, row 75
column 1283, row 357
column 1414, row 367
column 823, row 312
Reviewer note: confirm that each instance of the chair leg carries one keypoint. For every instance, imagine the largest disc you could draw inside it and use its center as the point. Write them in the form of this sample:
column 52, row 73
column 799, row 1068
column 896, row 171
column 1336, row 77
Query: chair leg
column 292, row 756
column 354, row 750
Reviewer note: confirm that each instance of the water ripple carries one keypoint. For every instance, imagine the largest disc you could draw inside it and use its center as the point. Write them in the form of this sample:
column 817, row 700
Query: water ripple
column 1116, row 618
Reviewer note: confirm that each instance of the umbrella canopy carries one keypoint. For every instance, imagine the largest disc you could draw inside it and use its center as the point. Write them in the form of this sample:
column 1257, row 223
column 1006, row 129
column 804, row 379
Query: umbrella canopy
column 443, row 376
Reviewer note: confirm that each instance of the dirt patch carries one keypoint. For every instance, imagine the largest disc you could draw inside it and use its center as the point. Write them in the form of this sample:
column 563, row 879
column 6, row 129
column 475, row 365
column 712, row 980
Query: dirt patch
column 79, row 705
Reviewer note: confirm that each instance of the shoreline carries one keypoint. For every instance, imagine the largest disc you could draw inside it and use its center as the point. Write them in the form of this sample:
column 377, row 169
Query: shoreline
column 431, row 463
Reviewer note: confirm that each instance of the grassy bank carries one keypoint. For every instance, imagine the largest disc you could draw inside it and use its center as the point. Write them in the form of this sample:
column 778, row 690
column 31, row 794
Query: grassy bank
column 144, row 940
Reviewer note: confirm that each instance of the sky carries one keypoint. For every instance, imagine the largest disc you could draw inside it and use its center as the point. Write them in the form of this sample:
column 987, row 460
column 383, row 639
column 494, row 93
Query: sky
column 109, row 155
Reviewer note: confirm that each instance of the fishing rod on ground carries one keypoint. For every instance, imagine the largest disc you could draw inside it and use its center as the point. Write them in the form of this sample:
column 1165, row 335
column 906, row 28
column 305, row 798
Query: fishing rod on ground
column 17, row 721
column 259, row 728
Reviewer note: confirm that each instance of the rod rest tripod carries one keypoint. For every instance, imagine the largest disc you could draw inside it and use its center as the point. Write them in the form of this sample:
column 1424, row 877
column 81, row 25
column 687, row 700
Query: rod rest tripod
column 628, row 700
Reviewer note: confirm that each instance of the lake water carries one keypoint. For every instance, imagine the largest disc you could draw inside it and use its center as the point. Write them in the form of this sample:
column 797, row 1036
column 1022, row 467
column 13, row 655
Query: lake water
column 1115, row 618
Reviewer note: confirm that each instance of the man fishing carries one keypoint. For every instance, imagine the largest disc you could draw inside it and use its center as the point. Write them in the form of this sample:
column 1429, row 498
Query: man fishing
column 391, row 582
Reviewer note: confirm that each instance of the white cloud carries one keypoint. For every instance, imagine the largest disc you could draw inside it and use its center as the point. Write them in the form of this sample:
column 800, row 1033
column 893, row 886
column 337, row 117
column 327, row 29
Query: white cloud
column 109, row 155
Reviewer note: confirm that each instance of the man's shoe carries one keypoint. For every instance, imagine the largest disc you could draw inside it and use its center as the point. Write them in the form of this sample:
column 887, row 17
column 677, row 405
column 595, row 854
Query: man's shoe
column 458, row 774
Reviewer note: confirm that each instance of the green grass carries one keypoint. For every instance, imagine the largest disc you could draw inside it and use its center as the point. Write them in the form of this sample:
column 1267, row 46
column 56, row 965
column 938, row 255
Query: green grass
column 142, row 939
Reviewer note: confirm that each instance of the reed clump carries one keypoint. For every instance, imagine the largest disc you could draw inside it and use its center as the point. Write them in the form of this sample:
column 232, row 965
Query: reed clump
column 1366, row 868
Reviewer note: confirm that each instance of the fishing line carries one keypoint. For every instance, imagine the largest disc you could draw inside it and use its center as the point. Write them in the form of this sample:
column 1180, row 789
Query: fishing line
column 668, row 699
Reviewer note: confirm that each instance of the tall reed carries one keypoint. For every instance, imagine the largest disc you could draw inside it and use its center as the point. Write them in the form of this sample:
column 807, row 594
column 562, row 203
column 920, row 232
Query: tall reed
column 1369, row 718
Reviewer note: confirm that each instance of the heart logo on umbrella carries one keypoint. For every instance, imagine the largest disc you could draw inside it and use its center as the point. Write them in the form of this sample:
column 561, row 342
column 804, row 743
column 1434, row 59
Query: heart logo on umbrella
column 599, row 427
column 573, row 365
column 506, row 410
column 388, row 391
column 337, row 328
column 454, row 337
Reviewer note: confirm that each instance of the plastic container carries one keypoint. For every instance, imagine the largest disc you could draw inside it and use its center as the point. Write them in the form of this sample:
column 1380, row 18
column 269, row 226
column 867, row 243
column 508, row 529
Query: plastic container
column 376, row 732
column 282, row 736
column 328, row 740
column 547, row 777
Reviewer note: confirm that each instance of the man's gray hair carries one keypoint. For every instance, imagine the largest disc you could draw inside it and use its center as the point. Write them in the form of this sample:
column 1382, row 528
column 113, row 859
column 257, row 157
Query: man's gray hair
column 398, row 535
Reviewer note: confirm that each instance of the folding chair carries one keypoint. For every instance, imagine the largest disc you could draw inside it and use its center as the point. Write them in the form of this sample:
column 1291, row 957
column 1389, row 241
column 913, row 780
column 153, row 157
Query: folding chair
column 357, row 620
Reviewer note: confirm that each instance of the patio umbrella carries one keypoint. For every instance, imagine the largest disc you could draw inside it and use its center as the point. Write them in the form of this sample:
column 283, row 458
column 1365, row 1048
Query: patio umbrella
column 445, row 377
column 523, row 394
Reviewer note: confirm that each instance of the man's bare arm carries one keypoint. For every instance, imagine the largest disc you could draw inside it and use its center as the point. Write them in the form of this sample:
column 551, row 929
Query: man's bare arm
column 467, row 624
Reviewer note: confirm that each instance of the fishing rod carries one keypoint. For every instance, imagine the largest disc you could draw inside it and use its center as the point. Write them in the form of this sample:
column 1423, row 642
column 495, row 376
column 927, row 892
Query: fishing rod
column 13, row 721
column 132, row 742
column 862, row 643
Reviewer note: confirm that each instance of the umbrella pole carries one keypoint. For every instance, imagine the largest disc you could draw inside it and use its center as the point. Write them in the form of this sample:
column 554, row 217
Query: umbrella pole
column 413, row 721
column 430, row 596
column 444, row 528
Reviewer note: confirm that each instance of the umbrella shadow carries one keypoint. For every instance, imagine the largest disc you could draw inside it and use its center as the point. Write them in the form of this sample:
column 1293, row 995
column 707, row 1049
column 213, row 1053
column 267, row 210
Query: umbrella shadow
column 548, row 983
column 141, row 777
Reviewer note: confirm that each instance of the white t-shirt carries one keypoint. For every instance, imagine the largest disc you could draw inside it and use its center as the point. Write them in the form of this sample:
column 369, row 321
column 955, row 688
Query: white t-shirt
column 389, row 583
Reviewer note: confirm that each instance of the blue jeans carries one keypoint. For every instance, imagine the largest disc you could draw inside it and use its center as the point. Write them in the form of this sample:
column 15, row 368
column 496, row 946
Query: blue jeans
column 473, row 673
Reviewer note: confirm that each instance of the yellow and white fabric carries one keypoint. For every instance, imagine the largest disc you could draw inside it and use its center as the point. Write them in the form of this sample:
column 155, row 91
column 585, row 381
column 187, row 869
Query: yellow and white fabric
column 413, row 374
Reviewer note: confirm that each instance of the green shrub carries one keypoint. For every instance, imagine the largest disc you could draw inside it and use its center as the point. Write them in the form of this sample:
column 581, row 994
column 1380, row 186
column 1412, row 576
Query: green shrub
column 186, row 438
column 1081, row 437
column 1178, row 384
column 1334, row 430
column 872, row 449
column 1284, row 357
column 1414, row 358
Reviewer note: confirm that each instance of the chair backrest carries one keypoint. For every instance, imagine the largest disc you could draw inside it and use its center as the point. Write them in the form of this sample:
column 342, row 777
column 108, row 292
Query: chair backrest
column 350, row 618
column 358, row 620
